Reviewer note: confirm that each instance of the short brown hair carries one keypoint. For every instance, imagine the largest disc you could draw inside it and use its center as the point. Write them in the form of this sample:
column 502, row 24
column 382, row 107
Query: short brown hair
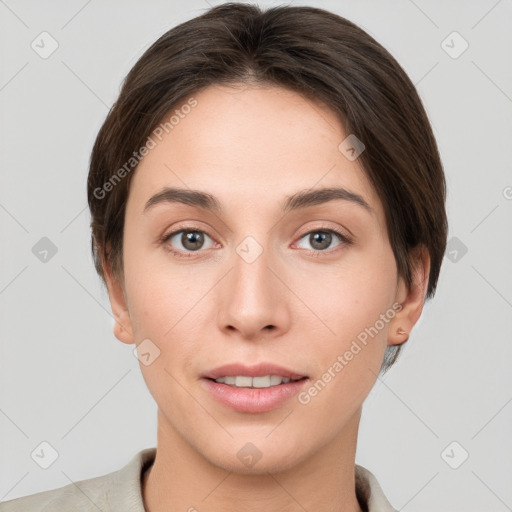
column 308, row 50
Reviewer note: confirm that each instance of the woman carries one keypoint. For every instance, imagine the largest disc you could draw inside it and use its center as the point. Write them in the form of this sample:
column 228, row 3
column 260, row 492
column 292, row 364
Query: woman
column 268, row 216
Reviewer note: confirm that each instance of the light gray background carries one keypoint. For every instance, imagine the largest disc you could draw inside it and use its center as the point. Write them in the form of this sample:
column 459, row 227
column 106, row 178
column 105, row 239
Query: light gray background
column 64, row 377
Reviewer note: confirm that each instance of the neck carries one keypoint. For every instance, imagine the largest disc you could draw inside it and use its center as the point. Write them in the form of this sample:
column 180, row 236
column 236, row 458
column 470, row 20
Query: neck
column 181, row 479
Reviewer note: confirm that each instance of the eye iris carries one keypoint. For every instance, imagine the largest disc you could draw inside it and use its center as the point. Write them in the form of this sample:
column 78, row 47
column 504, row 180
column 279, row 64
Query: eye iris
column 322, row 237
column 192, row 240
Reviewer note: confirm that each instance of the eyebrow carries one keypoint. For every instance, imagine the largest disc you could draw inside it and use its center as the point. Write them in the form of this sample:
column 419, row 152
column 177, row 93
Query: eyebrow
column 297, row 201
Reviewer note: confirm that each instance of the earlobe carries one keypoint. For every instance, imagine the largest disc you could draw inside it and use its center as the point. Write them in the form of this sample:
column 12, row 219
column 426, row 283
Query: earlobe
column 400, row 337
column 123, row 326
column 411, row 298
column 122, row 333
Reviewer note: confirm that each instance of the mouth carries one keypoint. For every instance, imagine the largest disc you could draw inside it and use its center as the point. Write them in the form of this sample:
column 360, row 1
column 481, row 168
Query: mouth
column 246, row 381
column 261, row 375
column 253, row 389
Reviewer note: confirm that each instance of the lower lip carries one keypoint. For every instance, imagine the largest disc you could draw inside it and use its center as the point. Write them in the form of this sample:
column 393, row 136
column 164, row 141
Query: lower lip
column 253, row 400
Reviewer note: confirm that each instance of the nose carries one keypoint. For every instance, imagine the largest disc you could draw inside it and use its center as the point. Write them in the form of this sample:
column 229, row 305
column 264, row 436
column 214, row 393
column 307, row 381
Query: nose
column 253, row 301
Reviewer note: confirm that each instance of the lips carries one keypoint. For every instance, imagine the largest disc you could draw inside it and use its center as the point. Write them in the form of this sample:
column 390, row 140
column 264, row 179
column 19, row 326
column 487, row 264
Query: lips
column 259, row 370
column 255, row 399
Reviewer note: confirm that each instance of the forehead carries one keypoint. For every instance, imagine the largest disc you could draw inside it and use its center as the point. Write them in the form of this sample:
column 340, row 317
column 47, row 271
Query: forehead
column 249, row 145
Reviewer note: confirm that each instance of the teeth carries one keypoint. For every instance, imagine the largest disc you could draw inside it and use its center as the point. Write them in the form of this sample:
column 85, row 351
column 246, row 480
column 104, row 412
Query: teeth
column 275, row 379
column 244, row 381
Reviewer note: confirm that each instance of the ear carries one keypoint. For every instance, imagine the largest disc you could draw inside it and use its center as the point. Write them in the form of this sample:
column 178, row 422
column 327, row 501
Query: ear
column 123, row 330
column 410, row 298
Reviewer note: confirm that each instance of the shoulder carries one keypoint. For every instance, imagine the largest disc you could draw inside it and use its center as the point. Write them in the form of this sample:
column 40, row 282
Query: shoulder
column 369, row 492
column 84, row 496
column 119, row 490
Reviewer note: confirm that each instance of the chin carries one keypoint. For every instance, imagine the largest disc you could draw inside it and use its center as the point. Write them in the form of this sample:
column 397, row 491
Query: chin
column 275, row 462
column 257, row 455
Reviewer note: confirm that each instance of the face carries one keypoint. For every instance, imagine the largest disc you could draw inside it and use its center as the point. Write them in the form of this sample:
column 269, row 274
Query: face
column 253, row 282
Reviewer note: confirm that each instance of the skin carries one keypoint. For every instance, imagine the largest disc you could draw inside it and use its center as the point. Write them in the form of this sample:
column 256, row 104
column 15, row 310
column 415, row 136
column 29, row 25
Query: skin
column 252, row 146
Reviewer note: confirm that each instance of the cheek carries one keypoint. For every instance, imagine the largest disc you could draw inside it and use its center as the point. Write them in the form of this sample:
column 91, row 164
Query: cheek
column 163, row 311
column 355, row 310
column 354, row 302
column 166, row 306
column 350, row 295
column 158, row 296
column 343, row 298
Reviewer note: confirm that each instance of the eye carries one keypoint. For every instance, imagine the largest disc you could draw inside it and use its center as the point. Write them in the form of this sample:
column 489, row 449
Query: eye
column 187, row 240
column 321, row 239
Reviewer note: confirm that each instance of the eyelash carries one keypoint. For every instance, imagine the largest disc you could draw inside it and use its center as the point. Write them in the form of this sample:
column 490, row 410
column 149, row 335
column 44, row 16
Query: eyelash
column 345, row 240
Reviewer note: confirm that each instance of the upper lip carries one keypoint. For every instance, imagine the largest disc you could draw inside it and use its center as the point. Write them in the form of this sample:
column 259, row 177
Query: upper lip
column 258, row 370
